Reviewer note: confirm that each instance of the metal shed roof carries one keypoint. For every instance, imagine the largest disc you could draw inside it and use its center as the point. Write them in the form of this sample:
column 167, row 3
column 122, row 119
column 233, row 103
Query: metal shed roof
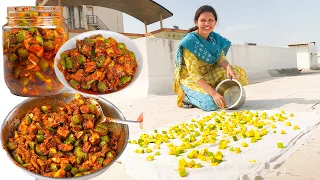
column 147, row 11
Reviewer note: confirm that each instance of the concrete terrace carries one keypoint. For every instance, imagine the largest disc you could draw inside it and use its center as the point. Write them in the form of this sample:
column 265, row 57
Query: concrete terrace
column 289, row 93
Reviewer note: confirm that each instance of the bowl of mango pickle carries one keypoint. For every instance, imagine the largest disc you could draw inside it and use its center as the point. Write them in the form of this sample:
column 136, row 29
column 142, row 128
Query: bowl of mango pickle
column 98, row 63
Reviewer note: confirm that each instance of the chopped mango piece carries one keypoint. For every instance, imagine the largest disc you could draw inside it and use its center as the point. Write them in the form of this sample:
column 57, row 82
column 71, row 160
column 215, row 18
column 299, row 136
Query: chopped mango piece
column 291, row 115
column 283, row 132
column 237, row 150
column 157, row 153
column 191, row 164
column 150, row 158
column 223, row 145
column 296, row 127
column 288, row 124
column 156, row 147
column 253, row 140
column 214, row 164
column 148, row 150
column 264, row 132
column 182, row 162
column 252, row 160
column 280, row 145
column 209, row 154
column 169, row 144
column 257, row 136
column 183, row 173
column 235, row 138
column 198, row 165
column 244, row 144
column 177, row 152
column 140, row 151
column 181, row 168
column 171, row 151
column 218, row 157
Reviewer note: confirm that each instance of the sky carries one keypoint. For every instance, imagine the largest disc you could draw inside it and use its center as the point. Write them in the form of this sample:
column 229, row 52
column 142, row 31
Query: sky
column 267, row 23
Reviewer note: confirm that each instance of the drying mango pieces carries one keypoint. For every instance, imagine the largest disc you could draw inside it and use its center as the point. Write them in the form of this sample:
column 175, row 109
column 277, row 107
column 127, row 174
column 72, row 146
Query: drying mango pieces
column 219, row 129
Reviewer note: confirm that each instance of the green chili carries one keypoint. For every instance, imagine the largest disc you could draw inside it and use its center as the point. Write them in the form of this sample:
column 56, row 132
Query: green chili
column 69, row 63
column 101, row 87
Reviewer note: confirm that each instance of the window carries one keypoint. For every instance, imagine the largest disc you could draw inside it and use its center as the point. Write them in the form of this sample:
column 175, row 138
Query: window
column 70, row 18
column 80, row 16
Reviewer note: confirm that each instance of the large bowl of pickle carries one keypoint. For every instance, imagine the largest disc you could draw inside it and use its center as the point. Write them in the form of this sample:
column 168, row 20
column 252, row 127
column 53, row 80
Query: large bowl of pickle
column 60, row 136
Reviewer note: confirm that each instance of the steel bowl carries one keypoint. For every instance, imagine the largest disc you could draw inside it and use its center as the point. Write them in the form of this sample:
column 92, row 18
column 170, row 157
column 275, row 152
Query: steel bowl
column 12, row 121
column 233, row 93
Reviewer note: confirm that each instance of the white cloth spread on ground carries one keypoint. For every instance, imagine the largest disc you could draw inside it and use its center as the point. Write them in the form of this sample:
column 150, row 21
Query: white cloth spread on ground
column 234, row 166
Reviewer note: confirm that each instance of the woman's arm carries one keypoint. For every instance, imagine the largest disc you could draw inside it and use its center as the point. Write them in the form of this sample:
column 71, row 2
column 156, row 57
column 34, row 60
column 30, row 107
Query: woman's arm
column 220, row 101
column 207, row 87
column 223, row 62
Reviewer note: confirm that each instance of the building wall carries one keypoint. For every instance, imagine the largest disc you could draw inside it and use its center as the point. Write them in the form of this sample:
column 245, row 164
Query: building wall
column 306, row 55
column 113, row 19
column 166, row 34
column 313, row 54
column 161, row 55
column 256, row 60
column 303, row 57
column 174, row 35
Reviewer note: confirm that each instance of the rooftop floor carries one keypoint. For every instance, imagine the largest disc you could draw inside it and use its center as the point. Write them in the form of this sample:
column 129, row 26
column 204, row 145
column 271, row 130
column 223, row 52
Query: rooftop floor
column 290, row 93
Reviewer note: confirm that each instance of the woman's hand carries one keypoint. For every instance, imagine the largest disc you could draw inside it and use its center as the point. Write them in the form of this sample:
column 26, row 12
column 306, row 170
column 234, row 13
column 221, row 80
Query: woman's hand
column 220, row 101
column 230, row 73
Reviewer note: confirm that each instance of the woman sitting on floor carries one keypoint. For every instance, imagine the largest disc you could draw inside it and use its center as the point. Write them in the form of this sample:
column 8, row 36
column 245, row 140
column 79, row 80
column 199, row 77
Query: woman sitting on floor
column 201, row 64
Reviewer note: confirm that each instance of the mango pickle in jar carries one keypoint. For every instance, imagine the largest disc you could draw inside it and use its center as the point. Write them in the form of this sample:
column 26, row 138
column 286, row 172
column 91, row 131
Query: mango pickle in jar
column 31, row 39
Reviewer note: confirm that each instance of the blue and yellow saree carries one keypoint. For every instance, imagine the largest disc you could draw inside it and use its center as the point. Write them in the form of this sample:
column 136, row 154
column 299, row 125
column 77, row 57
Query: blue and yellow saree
column 199, row 58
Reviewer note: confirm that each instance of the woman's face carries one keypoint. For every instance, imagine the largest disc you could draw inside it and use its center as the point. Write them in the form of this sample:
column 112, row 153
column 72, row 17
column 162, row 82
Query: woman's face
column 206, row 23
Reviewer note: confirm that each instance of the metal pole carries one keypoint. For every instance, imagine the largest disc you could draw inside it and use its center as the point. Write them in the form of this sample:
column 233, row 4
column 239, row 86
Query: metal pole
column 161, row 25
column 145, row 26
column 59, row 2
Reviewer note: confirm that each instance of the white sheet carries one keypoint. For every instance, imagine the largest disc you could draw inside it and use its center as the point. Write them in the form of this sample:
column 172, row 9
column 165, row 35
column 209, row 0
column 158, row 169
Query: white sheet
column 235, row 166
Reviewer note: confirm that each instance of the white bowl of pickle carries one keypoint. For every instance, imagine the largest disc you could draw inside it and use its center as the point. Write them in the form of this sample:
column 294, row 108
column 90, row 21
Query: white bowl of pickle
column 98, row 63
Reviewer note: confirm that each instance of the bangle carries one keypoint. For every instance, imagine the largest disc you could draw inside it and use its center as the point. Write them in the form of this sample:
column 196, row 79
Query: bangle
column 214, row 93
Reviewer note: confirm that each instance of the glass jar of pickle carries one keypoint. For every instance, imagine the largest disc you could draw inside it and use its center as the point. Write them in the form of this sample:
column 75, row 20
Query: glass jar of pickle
column 31, row 39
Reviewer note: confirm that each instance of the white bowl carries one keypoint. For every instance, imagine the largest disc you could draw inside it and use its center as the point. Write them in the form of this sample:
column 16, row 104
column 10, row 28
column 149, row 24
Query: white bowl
column 71, row 43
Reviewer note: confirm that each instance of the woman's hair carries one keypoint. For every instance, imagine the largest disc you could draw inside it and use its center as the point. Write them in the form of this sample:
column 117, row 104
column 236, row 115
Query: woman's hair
column 202, row 9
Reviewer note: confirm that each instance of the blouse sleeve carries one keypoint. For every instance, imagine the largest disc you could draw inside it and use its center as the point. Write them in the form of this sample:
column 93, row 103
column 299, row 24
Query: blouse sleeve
column 193, row 65
column 222, row 58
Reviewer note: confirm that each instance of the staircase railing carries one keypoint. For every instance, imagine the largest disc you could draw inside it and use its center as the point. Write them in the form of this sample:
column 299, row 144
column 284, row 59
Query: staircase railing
column 96, row 22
